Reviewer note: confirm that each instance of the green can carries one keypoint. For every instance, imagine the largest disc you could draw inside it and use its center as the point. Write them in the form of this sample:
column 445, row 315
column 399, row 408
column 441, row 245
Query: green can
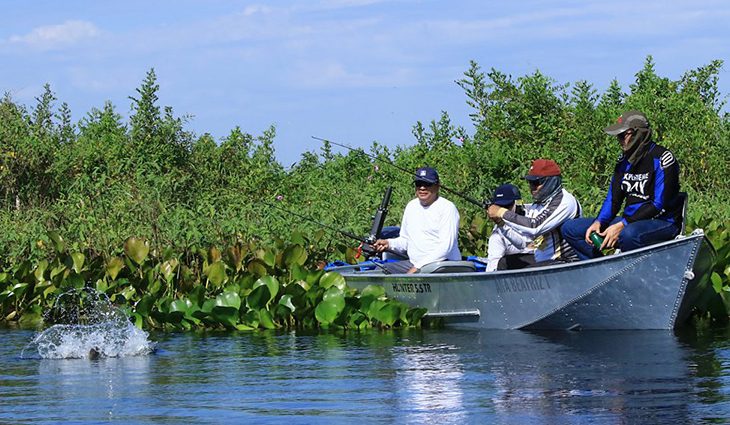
column 596, row 239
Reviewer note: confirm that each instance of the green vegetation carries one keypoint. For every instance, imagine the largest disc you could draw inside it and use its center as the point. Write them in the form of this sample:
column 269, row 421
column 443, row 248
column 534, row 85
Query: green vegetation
column 244, row 287
column 100, row 181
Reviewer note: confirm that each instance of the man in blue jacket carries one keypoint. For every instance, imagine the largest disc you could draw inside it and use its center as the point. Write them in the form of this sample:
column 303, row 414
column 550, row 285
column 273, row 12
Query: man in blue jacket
column 646, row 180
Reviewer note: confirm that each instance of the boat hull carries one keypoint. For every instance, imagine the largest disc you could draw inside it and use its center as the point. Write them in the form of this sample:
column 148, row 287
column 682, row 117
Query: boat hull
column 650, row 288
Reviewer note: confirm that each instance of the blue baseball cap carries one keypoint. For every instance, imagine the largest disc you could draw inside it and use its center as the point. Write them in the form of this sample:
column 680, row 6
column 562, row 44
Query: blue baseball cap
column 426, row 174
column 506, row 194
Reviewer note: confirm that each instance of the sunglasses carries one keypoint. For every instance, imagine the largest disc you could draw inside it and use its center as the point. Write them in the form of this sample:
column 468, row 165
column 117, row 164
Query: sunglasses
column 423, row 183
column 535, row 183
column 622, row 136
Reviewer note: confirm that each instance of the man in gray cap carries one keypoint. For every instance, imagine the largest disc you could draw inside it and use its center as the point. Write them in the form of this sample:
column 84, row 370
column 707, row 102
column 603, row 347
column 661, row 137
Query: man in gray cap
column 645, row 182
column 429, row 230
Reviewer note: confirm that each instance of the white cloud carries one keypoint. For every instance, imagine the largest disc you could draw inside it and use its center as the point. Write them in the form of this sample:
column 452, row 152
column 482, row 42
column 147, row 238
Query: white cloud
column 256, row 9
column 57, row 36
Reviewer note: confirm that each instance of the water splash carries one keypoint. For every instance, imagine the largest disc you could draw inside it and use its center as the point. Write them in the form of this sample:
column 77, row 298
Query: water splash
column 87, row 326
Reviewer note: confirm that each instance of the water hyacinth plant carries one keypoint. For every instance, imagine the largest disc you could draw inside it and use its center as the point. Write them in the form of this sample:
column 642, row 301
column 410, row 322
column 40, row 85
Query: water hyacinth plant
column 244, row 286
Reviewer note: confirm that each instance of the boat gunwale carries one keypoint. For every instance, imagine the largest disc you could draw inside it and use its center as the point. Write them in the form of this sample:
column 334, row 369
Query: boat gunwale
column 349, row 271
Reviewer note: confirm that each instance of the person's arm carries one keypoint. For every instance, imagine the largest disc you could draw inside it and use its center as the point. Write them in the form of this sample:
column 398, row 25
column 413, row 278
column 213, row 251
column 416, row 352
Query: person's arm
column 448, row 237
column 517, row 239
column 560, row 209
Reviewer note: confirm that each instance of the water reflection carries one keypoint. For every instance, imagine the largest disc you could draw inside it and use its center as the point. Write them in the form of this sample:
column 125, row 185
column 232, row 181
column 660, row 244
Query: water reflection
column 410, row 376
column 89, row 388
column 428, row 387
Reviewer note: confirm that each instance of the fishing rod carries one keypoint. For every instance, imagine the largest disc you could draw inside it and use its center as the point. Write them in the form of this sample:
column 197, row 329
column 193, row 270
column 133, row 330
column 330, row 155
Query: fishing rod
column 366, row 242
column 483, row 204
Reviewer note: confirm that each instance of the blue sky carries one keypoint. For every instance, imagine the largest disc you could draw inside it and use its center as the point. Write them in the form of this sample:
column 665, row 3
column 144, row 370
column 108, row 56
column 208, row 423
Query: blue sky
column 353, row 71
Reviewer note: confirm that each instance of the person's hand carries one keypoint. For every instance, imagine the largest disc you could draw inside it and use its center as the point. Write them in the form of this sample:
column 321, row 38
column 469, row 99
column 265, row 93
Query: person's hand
column 381, row 245
column 611, row 235
column 495, row 212
column 412, row 270
column 595, row 227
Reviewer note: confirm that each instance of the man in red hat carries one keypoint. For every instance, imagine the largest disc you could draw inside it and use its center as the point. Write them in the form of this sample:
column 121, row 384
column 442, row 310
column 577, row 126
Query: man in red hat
column 552, row 206
column 645, row 182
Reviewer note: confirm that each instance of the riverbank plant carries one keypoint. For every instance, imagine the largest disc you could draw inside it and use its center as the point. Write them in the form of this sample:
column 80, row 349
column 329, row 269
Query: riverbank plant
column 244, row 286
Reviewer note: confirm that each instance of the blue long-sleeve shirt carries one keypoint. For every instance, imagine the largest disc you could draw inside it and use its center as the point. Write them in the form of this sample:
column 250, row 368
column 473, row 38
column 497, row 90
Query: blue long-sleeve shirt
column 649, row 188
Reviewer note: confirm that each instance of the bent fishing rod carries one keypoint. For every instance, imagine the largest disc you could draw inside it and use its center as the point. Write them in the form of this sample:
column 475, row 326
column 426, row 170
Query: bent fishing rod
column 482, row 204
column 366, row 242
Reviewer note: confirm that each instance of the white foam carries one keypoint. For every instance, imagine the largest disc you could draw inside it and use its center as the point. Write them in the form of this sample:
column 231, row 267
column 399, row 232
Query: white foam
column 104, row 331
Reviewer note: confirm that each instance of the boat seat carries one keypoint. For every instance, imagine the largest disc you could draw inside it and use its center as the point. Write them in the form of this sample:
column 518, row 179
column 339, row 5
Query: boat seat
column 448, row 267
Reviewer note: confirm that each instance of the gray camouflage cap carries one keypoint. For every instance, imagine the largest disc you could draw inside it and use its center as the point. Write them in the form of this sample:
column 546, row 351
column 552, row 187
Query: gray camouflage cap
column 630, row 119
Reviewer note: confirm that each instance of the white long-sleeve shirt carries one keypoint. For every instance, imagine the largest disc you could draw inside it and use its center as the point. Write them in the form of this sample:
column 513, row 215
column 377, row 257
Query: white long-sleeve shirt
column 505, row 240
column 429, row 233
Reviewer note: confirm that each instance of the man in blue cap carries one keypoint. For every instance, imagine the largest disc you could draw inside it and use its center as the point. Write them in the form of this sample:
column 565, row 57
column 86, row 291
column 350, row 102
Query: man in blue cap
column 508, row 248
column 429, row 230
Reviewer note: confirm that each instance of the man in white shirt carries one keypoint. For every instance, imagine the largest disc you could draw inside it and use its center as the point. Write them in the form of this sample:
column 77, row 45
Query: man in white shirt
column 429, row 230
column 508, row 248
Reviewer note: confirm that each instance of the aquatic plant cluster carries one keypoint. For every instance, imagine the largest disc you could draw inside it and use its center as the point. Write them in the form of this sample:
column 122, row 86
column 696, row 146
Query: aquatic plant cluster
column 243, row 287
column 102, row 179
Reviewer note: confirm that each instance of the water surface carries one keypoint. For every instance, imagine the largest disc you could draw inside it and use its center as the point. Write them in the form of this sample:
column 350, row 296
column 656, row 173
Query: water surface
column 409, row 376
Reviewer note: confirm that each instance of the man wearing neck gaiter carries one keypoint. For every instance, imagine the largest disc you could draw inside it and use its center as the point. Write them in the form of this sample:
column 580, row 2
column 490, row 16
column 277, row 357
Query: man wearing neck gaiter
column 552, row 206
column 646, row 180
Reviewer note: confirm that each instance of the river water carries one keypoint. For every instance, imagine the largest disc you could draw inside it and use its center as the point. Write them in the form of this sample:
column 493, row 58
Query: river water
column 408, row 376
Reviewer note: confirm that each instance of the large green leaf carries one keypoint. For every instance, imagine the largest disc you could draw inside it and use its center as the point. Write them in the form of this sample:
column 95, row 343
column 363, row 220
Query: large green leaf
column 226, row 316
column 217, row 273
column 251, row 319
column 144, row 305
column 313, row 277
column 197, row 295
column 78, row 261
column 298, row 272
column 257, row 266
column 294, row 254
column 168, row 269
column 40, row 270
column 332, row 279
column 271, row 283
column 716, row 282
column 58, row 243
column 228, row 299
column 389, row 313
column 259, row 296
column 358, row 320
column 333, row 302
column 370, row 294
column 19, row 289
column 137, row 249
column 414, row 315
column 74, row 281
column 178, row 310
column 286, row 301
column 265, row 319
column 114, row 266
